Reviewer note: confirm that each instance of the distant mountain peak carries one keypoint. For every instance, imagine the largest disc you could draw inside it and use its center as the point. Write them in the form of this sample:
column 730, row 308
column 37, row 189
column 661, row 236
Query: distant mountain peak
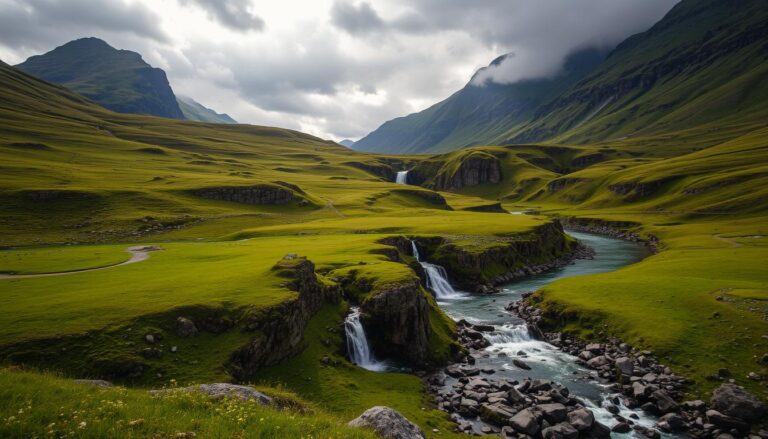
column 196, row 111
column 119, row 80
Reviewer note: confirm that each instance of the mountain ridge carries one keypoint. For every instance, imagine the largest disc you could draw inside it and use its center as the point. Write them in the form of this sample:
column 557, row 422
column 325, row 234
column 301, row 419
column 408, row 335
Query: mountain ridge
column 119, row 80
column 476, row 114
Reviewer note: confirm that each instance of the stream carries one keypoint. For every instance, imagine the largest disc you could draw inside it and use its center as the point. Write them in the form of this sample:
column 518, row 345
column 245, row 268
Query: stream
column 510, row 339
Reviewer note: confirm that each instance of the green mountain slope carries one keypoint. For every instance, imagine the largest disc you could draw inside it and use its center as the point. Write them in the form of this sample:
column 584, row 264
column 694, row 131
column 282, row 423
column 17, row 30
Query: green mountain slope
column 476, row 115
column 194, row 110
column 705, row 61
column 119, row 80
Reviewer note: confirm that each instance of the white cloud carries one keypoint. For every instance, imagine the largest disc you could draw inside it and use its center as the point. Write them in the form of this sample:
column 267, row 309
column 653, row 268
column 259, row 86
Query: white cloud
column 334, row 68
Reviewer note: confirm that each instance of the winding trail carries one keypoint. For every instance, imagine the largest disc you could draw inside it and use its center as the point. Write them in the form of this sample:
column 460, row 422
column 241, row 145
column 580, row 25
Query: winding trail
column 138, row 254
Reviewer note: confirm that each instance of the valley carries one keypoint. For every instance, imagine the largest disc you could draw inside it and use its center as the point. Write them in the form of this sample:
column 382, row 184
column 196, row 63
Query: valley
column 589, row 267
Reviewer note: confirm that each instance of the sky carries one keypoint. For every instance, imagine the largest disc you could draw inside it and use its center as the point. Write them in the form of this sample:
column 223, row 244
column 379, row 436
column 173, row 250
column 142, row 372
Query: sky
column 333, row 68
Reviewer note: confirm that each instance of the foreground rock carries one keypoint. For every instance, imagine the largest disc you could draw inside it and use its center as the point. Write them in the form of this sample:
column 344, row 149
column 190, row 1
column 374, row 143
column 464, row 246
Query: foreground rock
column 220, row 391
column 733, row 400
column 94, row 383
column 387, row 423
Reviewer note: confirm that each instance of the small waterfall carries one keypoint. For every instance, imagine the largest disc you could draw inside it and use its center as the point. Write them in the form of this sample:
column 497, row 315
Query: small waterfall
column 437, row 278
column 357, row 344
column 402, row 177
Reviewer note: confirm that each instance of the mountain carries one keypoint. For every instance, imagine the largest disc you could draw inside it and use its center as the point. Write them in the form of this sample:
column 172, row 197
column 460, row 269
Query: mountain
column 477, row 114
column 194, row 110
column 119, row 80
column 704, row 62
column 348, row 143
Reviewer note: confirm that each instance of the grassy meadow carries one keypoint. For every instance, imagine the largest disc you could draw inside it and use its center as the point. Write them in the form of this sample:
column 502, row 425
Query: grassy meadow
column 80, row 184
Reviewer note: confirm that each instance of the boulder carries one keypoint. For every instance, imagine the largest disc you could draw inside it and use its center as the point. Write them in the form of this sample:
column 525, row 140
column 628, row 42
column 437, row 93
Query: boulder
column 220, row 391
column 553, row 413
column 496, row 414
column 598, row 431
column 562, row 430
column 581, row 419
column 525, row 422
column 185, row 327
column 94, row 383
column 664, row 402
column 732, row 400
column 521, row 364
column 621, row 427
column 725, row 421
column 625, row 366
column 387, row 423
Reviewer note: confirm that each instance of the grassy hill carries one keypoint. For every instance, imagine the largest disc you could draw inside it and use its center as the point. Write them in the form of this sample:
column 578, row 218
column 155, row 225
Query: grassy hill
column 81, row 184
column 704, row 62
column 119, row 80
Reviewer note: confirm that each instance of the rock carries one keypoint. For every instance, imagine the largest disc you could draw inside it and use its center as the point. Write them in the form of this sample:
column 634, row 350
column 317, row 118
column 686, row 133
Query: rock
column 521, row 364
column 257, row 194
column 149, row 338
column 694, row 405
column 673, row 421
column 496, row 414
column 621, row 427
column 732, row 400
column 598, row 362
column 664, row 403
column 562, row 430
column 725, row 421
column 387, row 423
column 581, row 419
column 483, row 328
column 598, row 431
column 525, row 422
column 474, row 169
column 553, row 413
column 454, row 372
column 94, row 383
column 220, row 391
column 625, row 366
column 539, row 385
column 638, row 390
column 185, row 327
column 399, row 316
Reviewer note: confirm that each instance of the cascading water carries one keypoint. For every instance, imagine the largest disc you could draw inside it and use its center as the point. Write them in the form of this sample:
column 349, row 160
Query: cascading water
column 437, row 278
column 357, row 343
column 402, row 177
column 511, row 340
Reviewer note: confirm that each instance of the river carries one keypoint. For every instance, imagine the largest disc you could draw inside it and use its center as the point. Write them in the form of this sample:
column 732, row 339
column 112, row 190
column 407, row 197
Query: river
column 511, row 338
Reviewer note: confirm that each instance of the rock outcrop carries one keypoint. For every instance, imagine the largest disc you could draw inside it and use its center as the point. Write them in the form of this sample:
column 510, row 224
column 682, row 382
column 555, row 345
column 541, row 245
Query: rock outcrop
column 398, row 315
column 387, row 423
column 220, row 391
column 256, row 194
column 472, row 170
column 278, row 331
column 382, row 170
column 511, row 259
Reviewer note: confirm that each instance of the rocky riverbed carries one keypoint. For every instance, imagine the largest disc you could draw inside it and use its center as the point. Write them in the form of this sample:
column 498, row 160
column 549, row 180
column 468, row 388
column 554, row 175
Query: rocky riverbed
column 520, row 382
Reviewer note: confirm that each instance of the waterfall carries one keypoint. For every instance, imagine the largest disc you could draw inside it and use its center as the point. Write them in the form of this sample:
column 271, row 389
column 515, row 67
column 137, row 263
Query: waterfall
column 437, row 278
column 402, row 177
column 357, row 344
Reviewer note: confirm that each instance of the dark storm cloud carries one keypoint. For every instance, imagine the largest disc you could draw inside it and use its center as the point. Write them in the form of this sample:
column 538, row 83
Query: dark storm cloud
column 38, row 24
column 357, row 19
column 234, row 14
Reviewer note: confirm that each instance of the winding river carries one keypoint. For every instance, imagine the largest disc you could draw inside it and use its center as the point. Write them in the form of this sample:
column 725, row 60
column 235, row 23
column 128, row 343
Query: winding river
column 511, row 338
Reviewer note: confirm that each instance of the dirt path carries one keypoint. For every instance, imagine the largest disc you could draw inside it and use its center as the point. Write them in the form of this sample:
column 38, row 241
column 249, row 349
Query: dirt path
column 138, row 254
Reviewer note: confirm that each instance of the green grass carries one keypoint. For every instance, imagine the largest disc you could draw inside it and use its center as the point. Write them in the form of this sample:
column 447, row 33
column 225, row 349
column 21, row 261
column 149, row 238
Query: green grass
column 56, row 259
column 42, row 405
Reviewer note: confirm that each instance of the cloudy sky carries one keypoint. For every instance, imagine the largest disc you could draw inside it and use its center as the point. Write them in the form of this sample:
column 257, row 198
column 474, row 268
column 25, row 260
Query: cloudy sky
column 333, row 68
